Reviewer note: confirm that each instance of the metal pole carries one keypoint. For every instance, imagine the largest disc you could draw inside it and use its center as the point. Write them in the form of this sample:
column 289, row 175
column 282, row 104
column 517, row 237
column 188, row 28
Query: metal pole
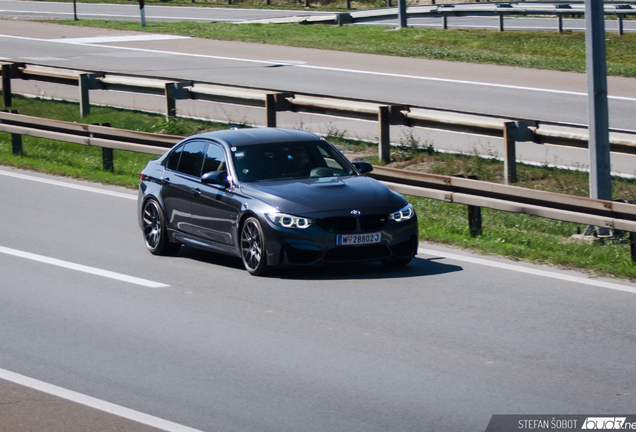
column 402, row 13
column 270, row 110
column 560, row 23
column 600, row 177
column 384, row 144
column 75, row 10
column 6, row 85
column 16, row 144
column 474, row 221
column 510, row 159
column 501, row 23
column 142, row 13
column 620, row 24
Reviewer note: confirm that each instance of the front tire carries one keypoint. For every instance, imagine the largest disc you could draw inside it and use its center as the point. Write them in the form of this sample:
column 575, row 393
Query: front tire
column 154, row 228
column 253, row 247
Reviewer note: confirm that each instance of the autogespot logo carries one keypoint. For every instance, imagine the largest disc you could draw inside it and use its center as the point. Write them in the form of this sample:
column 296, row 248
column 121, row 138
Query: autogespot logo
column 604, row 423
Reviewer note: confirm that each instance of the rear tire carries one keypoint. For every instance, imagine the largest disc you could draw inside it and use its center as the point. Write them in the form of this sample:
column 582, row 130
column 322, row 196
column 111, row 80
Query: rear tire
column 253, row 247
column 154, row 228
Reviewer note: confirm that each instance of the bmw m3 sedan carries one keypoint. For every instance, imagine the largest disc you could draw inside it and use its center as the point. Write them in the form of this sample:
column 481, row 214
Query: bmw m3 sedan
column 274, row 198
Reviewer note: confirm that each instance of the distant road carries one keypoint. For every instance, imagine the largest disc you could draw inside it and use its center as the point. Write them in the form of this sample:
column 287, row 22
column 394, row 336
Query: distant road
column 503, row 91
column 16, row 9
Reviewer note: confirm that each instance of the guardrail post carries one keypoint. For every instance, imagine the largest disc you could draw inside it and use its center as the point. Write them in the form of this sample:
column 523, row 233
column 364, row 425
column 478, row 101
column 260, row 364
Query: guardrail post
column 402, row 13
column 348, row 4
column 108, row 161
column 174, row 91
column 445, row 21
column 560, row 23
column 384, row 144
column 632, row 246
column 501, row 22
column 87, row 82
column 620, row 24
column 510, row 159
column 16, row 144
column 6, row 85
column 388, row 3
column 171, row 104
column 474, row 221
column 306, row 3
column 270, row 110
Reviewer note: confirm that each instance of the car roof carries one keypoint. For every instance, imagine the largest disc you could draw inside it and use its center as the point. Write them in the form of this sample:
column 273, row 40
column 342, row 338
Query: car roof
column 250, row 136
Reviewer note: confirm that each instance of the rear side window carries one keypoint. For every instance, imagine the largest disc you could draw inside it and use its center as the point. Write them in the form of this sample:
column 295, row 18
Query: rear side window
column 192, row 157
column 173, row 159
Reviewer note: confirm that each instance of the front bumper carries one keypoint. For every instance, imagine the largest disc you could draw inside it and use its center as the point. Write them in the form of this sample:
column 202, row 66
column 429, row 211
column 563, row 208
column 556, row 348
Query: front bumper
column 313, row 246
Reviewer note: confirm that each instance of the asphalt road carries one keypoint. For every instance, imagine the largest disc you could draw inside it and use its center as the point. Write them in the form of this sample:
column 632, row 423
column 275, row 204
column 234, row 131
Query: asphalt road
column 16, row 9
column 441, row 345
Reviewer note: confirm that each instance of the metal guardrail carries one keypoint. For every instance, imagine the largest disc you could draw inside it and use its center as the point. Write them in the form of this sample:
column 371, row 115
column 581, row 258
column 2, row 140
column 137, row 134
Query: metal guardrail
column 475, row 193
column 386, row 114
column 500, row 9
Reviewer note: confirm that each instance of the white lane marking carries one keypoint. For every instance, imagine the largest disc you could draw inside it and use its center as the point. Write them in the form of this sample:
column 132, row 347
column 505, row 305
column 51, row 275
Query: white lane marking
column 528, row 270
column 69, row 185
column 82, row 268
column 110, row 39
column 333, row 69
column 133, row 16
column 95, row 403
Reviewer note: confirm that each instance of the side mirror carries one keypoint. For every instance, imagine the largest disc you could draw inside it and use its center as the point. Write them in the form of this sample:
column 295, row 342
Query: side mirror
column 363, row 167
column 215, row 177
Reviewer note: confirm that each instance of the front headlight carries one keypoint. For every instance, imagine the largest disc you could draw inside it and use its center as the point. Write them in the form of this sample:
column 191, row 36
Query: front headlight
column 289, row 221
column 405, row 213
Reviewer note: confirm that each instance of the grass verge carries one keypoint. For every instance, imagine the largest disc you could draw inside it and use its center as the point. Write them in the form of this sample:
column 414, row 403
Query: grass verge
column 528, row 49
column 513, row 235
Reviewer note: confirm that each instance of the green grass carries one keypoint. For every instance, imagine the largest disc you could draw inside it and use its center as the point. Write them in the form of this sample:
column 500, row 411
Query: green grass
column 513, row 235
column 537, row 49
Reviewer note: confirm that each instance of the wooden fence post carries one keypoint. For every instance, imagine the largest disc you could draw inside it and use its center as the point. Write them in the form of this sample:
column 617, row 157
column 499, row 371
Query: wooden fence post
column 474, row 220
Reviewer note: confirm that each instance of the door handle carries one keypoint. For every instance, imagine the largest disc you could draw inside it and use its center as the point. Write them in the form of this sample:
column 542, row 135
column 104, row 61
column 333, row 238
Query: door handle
column 196, row 191
column 166, row 180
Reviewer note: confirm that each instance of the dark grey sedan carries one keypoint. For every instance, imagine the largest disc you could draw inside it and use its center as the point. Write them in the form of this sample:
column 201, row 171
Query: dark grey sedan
column 272, row 197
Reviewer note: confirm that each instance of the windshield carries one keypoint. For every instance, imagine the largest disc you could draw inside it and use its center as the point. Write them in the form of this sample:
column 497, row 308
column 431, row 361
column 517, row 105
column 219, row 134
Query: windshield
column 280, row 161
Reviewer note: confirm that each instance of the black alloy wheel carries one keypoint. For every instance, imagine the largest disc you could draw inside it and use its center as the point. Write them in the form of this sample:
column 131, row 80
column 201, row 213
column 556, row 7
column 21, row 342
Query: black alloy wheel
column 253, row 247
column 154, row 229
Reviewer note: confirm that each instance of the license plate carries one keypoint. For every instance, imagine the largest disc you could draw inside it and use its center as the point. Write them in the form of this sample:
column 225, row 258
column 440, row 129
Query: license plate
column 357, row 239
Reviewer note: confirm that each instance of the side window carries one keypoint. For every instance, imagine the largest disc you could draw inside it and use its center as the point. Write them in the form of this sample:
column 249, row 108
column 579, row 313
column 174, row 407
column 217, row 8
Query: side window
column 173, row 159
column 192, row 158
column 214, row 159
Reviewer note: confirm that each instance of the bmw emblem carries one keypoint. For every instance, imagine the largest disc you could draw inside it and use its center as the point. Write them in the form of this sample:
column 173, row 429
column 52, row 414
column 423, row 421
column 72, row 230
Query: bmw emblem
column 355, row 212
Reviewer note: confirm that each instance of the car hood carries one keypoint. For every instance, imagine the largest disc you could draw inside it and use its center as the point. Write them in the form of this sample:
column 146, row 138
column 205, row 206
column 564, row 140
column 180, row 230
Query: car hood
column 322, row 196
